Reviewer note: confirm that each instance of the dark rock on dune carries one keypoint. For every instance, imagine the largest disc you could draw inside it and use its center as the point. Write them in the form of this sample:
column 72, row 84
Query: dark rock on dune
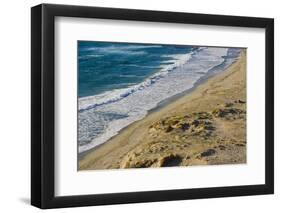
column 228, row 104
column 202, row 115
column 143, row 164
column 185, row 126
column 240, row 144
column 221, row 147
column 195, row 123
column 169, row 129
column 170, row 160
column 208, row 152
column 239, row 101
column 229, row 113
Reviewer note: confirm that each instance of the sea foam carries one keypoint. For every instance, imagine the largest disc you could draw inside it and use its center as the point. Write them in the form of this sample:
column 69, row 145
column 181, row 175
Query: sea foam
column 90, row 102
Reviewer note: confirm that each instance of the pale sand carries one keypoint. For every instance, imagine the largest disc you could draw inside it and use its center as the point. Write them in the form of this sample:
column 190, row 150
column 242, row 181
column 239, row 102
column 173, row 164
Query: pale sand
column 207, row 126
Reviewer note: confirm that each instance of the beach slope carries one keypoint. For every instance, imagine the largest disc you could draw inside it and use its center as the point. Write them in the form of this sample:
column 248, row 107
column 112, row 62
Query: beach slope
column 204, row 127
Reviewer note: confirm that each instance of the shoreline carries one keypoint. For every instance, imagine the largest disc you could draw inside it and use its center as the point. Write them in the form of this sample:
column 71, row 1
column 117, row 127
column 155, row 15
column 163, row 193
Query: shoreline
column 87, row 158
column 163, row 104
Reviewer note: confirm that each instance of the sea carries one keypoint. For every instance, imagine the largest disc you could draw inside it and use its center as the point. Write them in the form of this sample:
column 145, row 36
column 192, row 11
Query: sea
column 120, row 83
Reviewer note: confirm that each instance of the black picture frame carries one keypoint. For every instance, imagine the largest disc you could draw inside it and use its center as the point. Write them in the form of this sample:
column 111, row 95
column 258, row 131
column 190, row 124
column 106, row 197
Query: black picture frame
column 43, row 102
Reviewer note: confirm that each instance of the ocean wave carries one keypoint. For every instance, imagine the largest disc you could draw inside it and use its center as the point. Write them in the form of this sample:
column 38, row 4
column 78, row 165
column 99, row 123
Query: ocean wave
column 142, row 66
column 120, row 51
column 126, row 49
column 90, row 56
column 90, row 102
column 121, row 47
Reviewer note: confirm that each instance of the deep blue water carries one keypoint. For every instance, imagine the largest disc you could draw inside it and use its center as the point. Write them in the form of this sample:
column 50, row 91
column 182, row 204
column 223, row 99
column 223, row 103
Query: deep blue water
column 105, row 66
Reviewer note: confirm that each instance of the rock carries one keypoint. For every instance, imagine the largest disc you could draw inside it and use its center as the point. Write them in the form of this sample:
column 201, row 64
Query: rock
column 143, row 164
column 202, row 115
column 185, row 126
column 209, row 127
column 195, row 123
column 229, row 113
column 157, row 147
column 241, row 102
column 228, row 104
column 173, row 122
column 219, row 113
column 169, row 129
column 152, row 130
column 170, row 160
column 199, row 123
column 208, row 152
column 240, row 144
column 221, row 147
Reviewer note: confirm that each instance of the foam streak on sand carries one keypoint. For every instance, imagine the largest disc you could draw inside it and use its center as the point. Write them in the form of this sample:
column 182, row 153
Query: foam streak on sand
column 102, row 116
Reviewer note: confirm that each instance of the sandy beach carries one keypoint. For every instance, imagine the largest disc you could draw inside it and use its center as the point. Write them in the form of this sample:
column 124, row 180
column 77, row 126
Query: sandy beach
column 204, row 127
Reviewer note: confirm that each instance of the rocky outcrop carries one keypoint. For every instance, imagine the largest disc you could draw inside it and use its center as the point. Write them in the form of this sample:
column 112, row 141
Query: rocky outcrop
column 229, row 113
column 173, row 139
column 194, row 124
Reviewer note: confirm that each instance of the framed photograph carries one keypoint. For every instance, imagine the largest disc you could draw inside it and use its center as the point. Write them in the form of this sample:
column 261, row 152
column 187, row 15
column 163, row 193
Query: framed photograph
column 139, row 106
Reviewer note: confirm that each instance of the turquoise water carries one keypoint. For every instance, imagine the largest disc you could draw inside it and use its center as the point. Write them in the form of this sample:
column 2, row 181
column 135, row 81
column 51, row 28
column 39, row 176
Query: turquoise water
column 120, row 82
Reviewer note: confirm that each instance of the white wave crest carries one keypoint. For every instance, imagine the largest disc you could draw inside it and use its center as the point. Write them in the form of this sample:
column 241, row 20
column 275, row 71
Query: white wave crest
column 117, row 94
